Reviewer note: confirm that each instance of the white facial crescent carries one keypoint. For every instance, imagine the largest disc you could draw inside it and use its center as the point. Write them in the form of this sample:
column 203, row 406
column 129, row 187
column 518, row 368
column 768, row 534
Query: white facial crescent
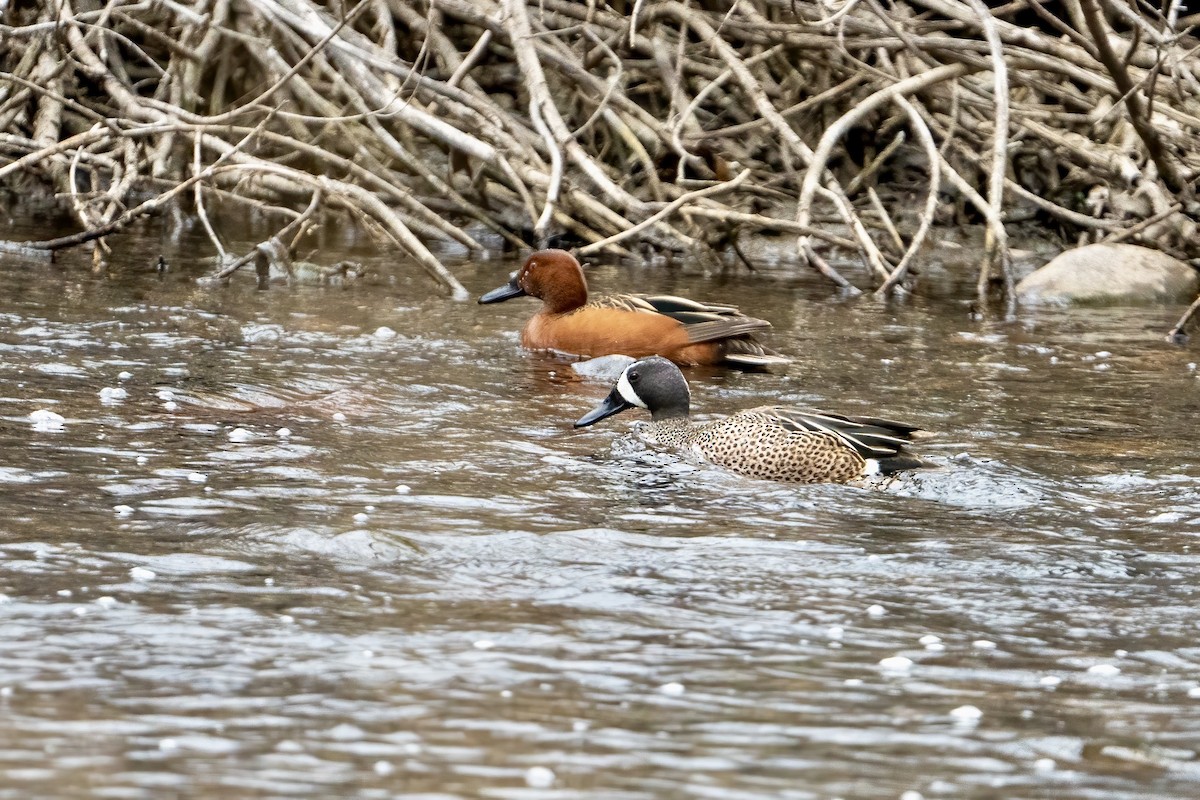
column 626, row 391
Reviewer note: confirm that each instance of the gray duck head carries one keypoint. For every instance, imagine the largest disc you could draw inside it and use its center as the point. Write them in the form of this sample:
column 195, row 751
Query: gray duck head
column 654, row 384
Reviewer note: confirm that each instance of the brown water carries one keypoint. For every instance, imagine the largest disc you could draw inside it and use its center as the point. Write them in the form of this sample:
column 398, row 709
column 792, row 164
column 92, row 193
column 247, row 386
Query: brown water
column 435, row 588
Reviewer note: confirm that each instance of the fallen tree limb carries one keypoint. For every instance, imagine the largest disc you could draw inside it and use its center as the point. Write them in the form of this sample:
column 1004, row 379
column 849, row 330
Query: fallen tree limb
column 670, row 126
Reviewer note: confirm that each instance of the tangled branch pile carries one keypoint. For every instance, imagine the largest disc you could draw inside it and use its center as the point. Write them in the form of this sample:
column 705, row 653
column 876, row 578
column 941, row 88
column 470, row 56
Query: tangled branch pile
column 667, row 124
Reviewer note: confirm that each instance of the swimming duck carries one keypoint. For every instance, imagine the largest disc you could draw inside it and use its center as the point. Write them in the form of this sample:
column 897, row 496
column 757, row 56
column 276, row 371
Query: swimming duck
column 771, row 442
column 682, row 330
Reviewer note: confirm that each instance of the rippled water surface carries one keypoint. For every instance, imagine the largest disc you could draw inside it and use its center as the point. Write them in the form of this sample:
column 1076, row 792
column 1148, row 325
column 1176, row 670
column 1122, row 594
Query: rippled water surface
column 343, row 542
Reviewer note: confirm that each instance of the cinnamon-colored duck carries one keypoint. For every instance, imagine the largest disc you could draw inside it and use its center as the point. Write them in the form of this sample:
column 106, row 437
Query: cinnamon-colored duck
column 636, row 325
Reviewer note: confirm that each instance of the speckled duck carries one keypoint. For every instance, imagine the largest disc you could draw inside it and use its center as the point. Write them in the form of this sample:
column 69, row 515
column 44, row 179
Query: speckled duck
column 770, row 442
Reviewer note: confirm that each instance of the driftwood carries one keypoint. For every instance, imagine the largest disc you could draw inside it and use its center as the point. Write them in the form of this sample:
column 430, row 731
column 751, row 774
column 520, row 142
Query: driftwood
column 671, row 125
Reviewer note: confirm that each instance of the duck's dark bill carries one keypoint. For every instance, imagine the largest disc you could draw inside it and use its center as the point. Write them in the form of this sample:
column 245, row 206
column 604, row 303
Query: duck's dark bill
column 505, row 292
column 613, row 404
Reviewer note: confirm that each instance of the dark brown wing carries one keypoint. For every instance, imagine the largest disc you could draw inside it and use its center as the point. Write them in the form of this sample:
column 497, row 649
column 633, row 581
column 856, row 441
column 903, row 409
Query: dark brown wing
column 870, row 437
column 660, row 304
column 731, row 330
column 704, row 322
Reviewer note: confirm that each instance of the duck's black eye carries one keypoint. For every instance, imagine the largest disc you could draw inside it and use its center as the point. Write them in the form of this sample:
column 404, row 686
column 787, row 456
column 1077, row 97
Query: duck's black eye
column 633, row 376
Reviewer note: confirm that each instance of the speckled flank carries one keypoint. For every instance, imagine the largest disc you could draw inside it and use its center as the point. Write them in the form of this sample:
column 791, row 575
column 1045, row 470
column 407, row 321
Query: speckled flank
column 754, row 444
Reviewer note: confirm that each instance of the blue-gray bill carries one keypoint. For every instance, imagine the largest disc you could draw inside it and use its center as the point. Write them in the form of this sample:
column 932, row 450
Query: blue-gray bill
column 613, row 404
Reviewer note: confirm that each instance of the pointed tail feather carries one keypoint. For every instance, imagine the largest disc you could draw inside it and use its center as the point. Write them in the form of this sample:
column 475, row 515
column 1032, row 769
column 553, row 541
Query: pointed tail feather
column 746, row 351
column 723, row 329
column 903, row 461
column 755, row 359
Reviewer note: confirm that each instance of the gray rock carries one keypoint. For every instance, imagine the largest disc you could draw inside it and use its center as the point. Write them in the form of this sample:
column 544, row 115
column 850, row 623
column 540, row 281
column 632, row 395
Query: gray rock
column 604, row 368
column 1110, row 274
